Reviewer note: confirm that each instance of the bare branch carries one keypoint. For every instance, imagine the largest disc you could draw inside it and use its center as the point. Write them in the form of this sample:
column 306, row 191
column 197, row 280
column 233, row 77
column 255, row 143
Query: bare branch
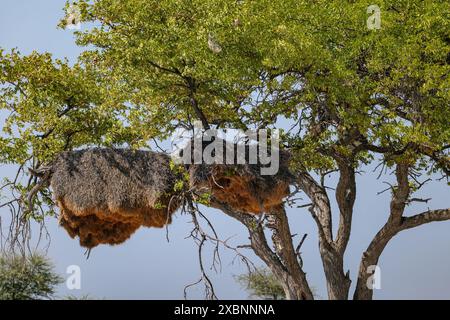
column 425, row 217
column 418, row 200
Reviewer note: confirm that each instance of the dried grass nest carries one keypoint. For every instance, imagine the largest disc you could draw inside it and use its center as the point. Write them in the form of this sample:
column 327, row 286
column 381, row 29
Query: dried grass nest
column 105, row 195
column 243, row 187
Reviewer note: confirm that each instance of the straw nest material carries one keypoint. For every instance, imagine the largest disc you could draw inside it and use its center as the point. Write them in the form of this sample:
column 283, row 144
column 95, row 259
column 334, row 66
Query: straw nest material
column 105, row 195
column 242, row 187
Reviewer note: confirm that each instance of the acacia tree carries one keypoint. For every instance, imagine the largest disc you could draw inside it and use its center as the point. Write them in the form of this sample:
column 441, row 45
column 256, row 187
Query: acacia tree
column 27, row 278
column 354, row 96
column 262, row 283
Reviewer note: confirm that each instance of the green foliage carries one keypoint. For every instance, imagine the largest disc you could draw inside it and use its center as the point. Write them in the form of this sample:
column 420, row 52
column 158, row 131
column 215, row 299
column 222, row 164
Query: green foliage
column 149, row 58
column 27, row 278
column 262, row 284
column 151, row 66
column 204, row 198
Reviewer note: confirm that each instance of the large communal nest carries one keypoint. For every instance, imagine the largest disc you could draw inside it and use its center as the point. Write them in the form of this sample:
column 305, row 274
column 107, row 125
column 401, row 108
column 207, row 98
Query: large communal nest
column 243, row 187
column 105, row 195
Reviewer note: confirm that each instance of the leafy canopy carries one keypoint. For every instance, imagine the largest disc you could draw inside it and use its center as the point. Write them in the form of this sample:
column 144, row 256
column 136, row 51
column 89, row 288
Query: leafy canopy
column 27, row 278
column 152, row 66
column 261, row 283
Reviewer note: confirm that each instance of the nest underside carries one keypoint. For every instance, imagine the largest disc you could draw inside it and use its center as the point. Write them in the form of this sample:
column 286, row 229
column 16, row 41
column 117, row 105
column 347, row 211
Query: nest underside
column 241, row 187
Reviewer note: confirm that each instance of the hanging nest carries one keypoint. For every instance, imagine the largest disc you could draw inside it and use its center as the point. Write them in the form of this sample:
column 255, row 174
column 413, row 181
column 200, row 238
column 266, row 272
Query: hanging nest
column 242, row 186
column 105, row 195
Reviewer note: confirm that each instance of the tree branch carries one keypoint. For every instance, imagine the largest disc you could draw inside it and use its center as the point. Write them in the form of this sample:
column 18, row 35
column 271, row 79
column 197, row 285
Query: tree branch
column 385, row 234
column 296, row 288
column 425, row 217
column 345, row 197
column 338, row 283
column 282, row 240
column 194, row 103
column 320, row 207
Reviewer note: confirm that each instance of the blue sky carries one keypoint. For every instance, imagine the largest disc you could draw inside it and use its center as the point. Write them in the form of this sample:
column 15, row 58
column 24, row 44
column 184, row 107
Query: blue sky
column 414, row 265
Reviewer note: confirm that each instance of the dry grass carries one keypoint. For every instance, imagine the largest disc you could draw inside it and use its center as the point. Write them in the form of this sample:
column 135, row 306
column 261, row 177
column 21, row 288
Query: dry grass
column 105, row 195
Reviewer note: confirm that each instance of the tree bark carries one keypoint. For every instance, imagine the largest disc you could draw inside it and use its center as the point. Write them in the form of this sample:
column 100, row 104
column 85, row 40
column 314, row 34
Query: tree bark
column 284, row 248
column 396, row 223
column 289, row 272
column 338, row 282
column 345, row 197
column 387, row 232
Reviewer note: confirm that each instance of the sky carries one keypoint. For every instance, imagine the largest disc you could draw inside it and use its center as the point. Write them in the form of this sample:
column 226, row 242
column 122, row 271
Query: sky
column 415, row 265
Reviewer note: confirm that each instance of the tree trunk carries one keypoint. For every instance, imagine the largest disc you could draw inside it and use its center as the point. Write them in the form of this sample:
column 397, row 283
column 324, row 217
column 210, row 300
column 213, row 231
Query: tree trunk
column 338, row 283
column 283, row 262
column 294, row 276
column 370, row 258
column 387, row 232
column 332, row 255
